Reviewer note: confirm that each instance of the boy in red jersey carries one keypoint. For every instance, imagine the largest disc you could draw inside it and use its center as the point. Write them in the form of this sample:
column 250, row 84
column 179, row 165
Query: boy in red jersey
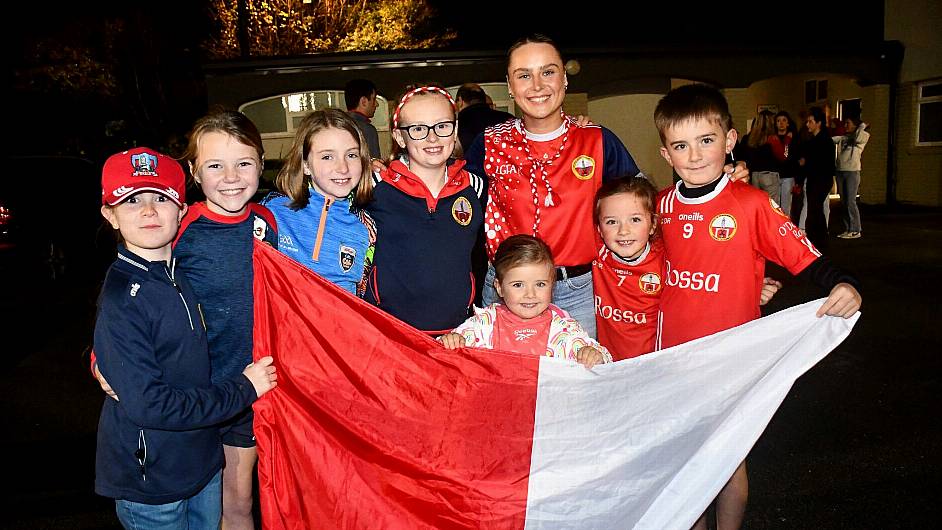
column 717, row 235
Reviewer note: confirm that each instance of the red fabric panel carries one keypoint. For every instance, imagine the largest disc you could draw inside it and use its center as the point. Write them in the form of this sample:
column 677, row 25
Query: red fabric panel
column 375, row 425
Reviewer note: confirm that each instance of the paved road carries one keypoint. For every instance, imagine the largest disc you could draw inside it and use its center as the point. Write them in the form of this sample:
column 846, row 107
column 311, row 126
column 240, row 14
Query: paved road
column 856, row 443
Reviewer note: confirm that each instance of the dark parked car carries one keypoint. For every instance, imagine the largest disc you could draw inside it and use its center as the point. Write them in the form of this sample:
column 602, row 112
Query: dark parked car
column 50, row 224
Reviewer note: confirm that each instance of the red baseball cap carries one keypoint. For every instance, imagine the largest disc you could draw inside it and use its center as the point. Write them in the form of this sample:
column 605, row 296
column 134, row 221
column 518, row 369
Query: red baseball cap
column 141, row 169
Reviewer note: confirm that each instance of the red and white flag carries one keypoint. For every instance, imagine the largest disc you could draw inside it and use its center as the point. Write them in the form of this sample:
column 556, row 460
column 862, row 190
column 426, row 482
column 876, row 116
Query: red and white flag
column 375, row 425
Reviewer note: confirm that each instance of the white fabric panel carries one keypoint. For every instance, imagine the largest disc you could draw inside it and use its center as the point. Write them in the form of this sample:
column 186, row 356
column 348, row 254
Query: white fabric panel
column 649, row 442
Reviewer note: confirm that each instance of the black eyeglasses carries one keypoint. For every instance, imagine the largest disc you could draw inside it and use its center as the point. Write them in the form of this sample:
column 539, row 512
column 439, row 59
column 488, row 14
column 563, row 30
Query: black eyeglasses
column 443, row 129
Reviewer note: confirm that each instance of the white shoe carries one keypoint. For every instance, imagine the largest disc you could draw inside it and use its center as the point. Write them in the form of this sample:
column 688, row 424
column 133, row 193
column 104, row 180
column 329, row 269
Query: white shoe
column 849, row 235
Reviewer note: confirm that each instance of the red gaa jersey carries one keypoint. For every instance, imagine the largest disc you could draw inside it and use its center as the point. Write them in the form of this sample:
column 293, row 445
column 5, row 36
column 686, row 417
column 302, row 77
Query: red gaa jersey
column 715, row 249
column 544, row 189
column 626, row 301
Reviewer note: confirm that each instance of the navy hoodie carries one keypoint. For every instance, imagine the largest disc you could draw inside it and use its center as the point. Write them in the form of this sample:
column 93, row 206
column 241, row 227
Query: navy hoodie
column 159, row 443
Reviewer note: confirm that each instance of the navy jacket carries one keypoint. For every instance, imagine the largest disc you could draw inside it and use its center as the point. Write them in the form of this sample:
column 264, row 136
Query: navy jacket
column 422, row 263
column 159, row 443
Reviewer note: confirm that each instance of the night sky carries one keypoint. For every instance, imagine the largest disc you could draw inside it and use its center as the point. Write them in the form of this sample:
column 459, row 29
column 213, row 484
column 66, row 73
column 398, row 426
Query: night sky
column 151, row 51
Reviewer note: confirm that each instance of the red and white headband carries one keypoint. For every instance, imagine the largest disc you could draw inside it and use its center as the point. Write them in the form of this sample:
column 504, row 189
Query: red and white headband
column 426, row 89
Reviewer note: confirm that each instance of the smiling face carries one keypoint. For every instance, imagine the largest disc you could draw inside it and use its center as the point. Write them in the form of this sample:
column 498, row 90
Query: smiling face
column 527, row 289
column 148, row 223
column 625, row 224
column 537, row 82
column 696, row 148
column 431, row 153
column 227, row 171
column 333, row 162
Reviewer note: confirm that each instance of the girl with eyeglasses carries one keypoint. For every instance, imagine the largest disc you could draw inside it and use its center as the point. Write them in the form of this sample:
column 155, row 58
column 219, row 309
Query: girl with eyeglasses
column 428, row 212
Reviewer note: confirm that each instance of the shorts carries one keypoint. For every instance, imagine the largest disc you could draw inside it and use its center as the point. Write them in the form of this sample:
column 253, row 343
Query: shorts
column 237, row 432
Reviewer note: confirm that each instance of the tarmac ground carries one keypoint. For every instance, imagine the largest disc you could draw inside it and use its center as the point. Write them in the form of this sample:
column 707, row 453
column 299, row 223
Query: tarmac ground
column 855, row 444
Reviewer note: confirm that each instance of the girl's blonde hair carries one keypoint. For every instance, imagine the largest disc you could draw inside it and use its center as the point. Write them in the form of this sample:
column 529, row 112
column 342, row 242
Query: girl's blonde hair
column 230, row 122
column 763, row 128
column 291, row 179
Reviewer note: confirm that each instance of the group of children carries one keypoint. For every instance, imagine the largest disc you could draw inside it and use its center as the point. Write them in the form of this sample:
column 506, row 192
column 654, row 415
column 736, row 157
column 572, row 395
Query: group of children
column 672, row 267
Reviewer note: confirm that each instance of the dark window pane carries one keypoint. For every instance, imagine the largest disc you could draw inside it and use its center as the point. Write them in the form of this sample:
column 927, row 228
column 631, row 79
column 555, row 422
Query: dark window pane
column 268, row 115
column 811, row 91
column 823, row 89
column 929, row 91
column 930, row 122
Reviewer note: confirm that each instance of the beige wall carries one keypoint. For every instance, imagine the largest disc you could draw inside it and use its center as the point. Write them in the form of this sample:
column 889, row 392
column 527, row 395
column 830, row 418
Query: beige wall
column 631, row 118
column 918, row 169
column 916, row 23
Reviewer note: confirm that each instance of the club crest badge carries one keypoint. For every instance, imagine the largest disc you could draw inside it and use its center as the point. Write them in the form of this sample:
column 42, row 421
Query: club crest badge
column 144, row 164
column 583, row 167
column 347, row 257
column 650, row 283
column 723, row 227
column 461, row 211
column 259, row 229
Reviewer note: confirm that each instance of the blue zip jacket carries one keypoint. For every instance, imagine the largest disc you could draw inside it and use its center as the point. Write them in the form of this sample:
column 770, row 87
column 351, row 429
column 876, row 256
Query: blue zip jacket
column 329, row 236
column 160, row 443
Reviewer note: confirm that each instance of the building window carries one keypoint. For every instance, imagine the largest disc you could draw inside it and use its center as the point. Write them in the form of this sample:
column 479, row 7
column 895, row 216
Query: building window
column 929, row 113
column 816, row 90
column 279, row 116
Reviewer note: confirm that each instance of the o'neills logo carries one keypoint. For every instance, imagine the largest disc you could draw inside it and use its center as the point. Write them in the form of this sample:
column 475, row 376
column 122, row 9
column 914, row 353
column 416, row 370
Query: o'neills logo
column 618, row 315
column 723, row 227
column 650, row 283
column 695, row 281
column 583, row 167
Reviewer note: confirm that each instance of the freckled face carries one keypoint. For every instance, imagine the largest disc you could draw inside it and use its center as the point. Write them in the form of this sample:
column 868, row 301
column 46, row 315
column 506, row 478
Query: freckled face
column 227, row 171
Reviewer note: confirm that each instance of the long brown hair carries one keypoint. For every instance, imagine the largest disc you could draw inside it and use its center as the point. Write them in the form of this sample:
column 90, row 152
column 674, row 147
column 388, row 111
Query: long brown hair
column 292, row 181
column 763, row 128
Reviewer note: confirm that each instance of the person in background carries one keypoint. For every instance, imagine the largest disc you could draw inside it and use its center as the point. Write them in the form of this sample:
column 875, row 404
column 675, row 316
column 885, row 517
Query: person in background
column 816, row 159
column 360, row 96
column 474, row 114
column 782, row 143
column 756, row 150
column 850, row 147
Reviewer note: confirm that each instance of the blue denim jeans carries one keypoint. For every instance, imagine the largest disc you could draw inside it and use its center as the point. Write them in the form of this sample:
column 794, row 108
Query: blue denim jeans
column 848, row 182
column 785, row 199
column 203, row 510
column 574, row 295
